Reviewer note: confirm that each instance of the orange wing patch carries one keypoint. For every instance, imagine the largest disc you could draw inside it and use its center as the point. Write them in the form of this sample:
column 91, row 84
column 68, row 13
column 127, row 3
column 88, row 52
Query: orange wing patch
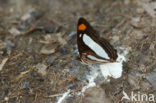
column 112, row 59
column 89, row 52
column 82, row 27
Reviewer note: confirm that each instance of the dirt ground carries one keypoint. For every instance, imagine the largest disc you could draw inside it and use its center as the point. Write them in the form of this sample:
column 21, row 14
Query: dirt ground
column 39, row 66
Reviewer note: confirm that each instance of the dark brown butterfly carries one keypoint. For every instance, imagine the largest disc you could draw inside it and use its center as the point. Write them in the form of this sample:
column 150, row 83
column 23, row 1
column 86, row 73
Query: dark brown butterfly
column 92, row 48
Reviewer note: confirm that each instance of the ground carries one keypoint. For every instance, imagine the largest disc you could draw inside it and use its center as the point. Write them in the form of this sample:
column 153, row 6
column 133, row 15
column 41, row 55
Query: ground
column 39, row 66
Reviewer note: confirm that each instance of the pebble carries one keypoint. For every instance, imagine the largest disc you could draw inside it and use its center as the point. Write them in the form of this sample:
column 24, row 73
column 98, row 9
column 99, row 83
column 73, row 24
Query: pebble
column 135, row 21
column 14, row 31
column 41, row 69
column 47, row 51
column 6, row 99
column 151, row 46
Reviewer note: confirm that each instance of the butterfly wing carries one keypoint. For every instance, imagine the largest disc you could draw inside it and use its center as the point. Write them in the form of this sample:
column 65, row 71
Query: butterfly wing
column 91, row 46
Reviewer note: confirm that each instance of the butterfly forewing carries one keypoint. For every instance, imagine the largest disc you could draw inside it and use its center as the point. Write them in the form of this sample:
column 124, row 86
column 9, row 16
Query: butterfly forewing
column 91, row 46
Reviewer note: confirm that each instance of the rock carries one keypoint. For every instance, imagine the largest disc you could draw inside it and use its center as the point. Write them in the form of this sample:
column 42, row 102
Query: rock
column 41, row 69
column 47, row 51
column 14, row 31
column 151, row 46
column 151, row 77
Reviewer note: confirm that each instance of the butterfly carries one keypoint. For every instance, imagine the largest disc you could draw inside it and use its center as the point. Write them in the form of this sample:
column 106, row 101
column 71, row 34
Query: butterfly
column 92, row 48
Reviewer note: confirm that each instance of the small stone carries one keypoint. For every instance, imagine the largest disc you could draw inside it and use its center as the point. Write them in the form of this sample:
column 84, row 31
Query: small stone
column 14, row 31
column 25, row 17
column 41, row 69
column 135, row 21
column 47, row 51
column 151, row 46
column 6, row 98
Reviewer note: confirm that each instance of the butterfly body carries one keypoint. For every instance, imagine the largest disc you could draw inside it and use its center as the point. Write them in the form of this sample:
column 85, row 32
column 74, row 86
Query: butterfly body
column 91, row 47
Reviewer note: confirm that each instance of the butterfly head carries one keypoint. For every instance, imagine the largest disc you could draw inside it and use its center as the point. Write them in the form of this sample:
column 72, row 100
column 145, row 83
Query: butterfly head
column 83, row 25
